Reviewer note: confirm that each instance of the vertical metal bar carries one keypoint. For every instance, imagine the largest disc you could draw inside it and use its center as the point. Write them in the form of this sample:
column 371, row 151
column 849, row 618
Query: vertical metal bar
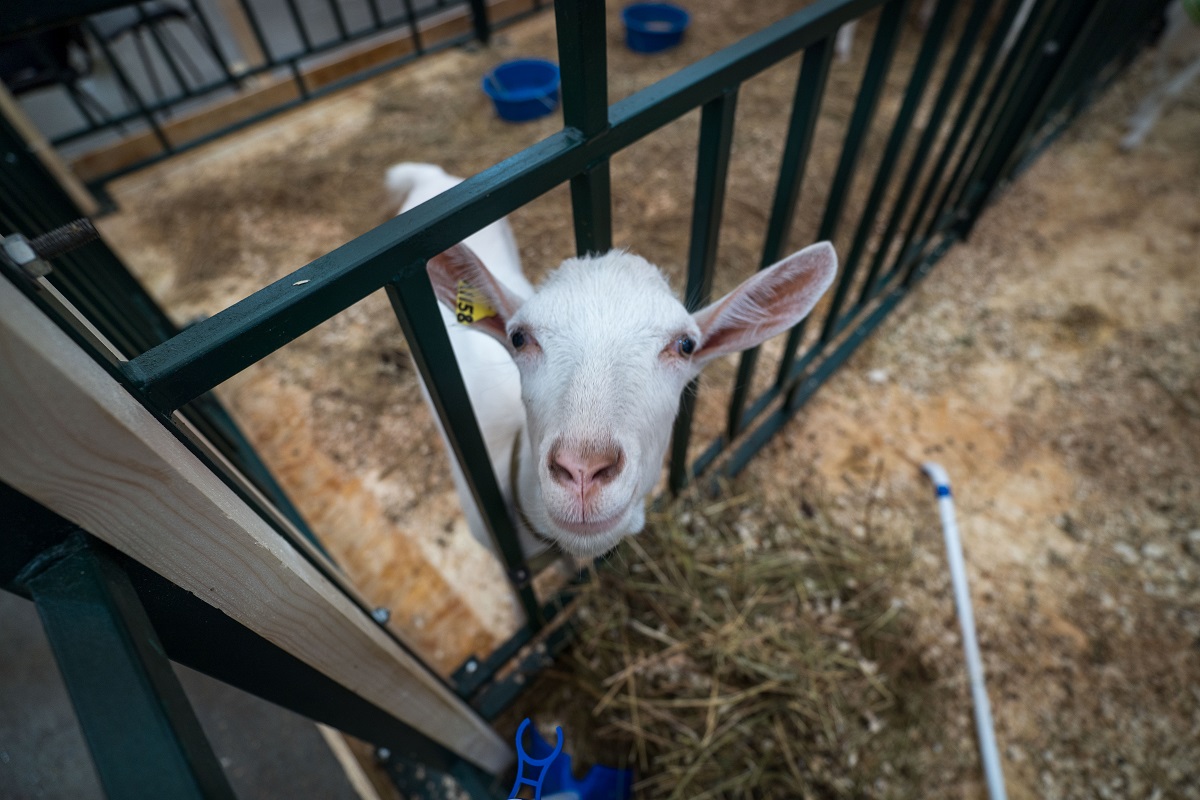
column 152, row 74
column 298, row 21
column 298, row 78
column 210, row 41
column 78, row 99
column 913, row 94
column 74, row 93
column 1082, row 51
column 413, row 30
column 479, row 20
column 176, row 72
column 129, row 89
column 591, row 205
column 256, row 28
column 416, row 308
column 335, row 9
column 71, row 86
column 810, row 89
column 887, row 35
column 1005, row 77
column 203, row 638
column 1031, row 86
column 954, row 72
column 376, row 17
column 974, row 90
column 142, row 732
column 583, row 61
column 712, row 168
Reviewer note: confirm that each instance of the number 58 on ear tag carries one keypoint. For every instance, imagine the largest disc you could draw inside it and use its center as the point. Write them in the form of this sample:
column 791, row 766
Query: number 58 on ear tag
column 471, row 304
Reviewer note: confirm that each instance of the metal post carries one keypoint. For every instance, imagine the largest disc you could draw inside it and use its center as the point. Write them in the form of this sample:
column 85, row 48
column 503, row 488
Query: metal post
column 414, row 31
column 339, row 20
column 202, row 638
column 810, row 89
column 913, row 95
column 583, row 62
column 887, row 36
column 130, row 90
column 165, row 52
column 142, row 732
column 1031, row 86
column 970, row 98
column 480, row 21
column 1083, row 47
column 298, row 21
column 986, row 119
column 416, row 308
column 712, row 167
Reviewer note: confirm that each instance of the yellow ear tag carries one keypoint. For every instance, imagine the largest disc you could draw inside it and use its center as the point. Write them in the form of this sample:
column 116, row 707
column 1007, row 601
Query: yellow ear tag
column 472, row 304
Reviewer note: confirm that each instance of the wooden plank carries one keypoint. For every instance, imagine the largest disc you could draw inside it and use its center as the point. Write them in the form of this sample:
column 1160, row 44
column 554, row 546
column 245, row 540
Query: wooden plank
column 355, row 774
column 360, row 61
column 275, row 92
column 40, row 147
column 110, row 158
column 73, row 439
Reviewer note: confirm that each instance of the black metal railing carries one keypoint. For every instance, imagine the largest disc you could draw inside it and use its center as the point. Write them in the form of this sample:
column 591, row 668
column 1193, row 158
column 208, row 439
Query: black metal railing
column 164, row 60
column 1001, row 95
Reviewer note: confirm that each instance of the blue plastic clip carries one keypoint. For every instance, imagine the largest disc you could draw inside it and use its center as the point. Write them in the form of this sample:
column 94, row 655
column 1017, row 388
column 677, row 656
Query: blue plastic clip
column 541, row 765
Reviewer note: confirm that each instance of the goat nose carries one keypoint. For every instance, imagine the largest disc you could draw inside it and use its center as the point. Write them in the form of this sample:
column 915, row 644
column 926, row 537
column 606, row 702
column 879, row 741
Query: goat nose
column 587, row 467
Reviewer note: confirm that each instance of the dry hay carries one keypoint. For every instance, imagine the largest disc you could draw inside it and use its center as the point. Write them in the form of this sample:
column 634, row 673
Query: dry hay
column 741, row 648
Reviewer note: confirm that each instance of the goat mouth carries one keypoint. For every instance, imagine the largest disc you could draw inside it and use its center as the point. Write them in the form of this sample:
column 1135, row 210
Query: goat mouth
column 590, row 528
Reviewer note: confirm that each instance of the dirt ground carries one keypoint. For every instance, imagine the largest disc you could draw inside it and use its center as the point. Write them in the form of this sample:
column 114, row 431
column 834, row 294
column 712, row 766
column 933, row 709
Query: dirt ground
column 1052, row 364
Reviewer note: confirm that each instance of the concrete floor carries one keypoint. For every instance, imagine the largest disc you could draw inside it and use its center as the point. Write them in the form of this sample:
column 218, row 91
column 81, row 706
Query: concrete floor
column 266, row 751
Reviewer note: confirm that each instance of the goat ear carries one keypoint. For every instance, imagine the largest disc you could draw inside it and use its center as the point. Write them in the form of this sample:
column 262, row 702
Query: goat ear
column 473, row 295
column 769, row 303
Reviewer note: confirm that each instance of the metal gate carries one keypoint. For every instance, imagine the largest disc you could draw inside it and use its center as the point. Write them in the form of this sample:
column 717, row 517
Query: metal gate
column 1007, row 92
column 185, row 74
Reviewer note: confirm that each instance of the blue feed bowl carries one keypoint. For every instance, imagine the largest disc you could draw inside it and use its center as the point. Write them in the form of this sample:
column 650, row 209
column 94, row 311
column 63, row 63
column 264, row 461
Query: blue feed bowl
column 523, row 90
column 651, row 27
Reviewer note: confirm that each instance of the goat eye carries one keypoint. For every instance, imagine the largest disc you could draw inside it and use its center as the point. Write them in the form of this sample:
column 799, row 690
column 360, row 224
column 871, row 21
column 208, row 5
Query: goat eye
column 517, row 339
column 686, row 345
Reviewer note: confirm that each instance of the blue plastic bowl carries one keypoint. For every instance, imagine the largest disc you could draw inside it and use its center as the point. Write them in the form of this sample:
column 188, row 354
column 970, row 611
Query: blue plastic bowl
column 523, row 90
column 651, row 27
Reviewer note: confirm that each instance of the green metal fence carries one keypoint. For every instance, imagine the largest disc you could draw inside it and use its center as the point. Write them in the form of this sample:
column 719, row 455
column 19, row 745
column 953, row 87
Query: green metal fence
column 992, row 109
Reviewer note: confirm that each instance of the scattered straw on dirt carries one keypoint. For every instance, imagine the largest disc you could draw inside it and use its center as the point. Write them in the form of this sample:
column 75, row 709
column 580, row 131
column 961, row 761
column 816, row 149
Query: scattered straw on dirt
column 740, row 649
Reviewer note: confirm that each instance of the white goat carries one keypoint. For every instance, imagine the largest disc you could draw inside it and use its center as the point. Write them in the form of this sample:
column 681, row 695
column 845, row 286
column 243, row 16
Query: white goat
column 576, row 384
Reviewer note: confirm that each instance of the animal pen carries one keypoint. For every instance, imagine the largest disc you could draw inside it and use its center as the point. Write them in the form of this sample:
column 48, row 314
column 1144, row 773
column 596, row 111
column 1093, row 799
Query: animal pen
column 144, row 526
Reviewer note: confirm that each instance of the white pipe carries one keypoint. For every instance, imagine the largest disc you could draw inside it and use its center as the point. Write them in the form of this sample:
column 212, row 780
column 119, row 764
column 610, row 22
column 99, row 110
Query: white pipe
column 962, row 599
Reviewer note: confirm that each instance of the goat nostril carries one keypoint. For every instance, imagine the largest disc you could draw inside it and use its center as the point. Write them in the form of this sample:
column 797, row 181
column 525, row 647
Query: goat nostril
column 583, row 467
column 560, row 473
